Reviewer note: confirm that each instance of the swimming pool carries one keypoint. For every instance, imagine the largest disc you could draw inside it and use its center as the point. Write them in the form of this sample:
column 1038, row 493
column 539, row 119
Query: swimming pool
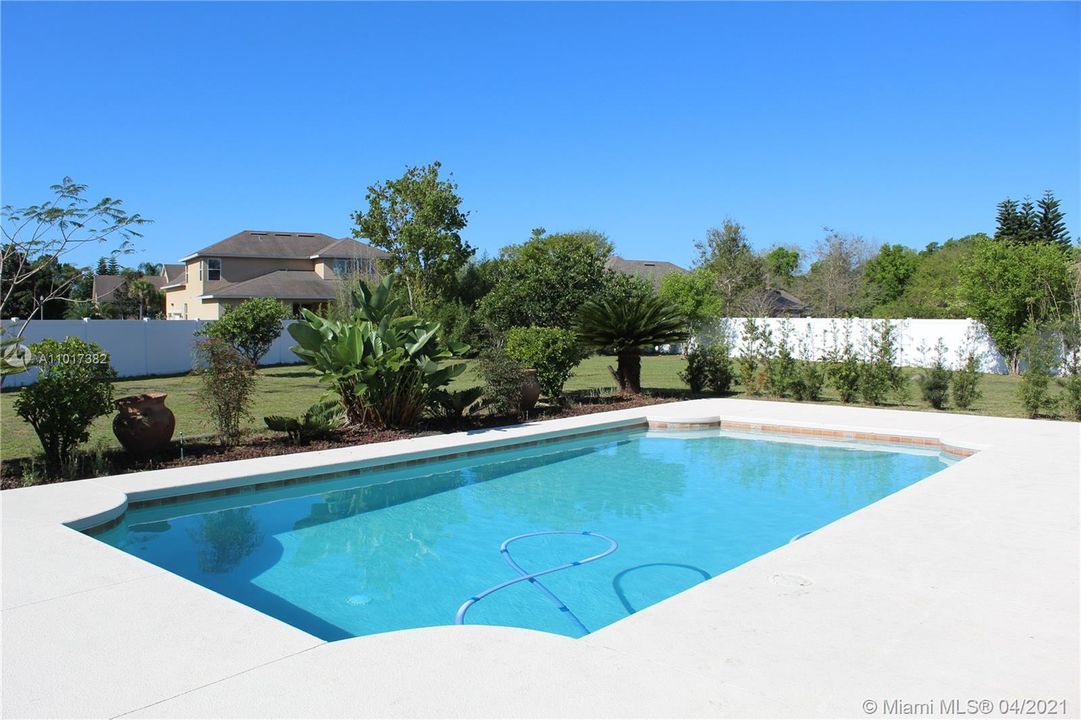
column 405, row 548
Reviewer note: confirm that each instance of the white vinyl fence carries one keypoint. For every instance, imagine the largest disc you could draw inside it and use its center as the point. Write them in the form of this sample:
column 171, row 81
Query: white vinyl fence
column 136, row 347
column 164, row 347
column 817, row 335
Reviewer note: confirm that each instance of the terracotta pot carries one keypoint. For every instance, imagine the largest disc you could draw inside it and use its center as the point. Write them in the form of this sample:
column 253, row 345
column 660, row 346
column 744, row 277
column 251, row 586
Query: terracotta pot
column 531, row 389
column 144, row 425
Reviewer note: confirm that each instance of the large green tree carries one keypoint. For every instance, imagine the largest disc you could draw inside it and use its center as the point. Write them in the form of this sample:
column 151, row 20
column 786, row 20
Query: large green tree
column 545, row 280
column 417, row 220
column 932, row 290
column 694, row 295
column 781, row 264
column 1006, row 285
column 888, row 273
column 727, row 255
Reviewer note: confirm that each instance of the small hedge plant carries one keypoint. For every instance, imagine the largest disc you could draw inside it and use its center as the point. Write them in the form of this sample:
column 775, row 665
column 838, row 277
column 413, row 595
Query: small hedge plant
column 880, row 375
column 502, row 376
column 966, row 379
column 935, row 380
column 755, row 357
column 227, row 383
column 1038, row 355
column 709, row 366
column 843, row 365
column 552, row 352
column 74, row 387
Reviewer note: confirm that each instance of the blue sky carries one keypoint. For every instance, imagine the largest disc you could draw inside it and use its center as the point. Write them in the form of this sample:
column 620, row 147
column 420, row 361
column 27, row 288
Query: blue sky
column 905, row 123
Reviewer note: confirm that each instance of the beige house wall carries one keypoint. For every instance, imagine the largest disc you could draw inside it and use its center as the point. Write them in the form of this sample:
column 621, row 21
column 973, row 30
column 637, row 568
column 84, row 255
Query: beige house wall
column 185, row 303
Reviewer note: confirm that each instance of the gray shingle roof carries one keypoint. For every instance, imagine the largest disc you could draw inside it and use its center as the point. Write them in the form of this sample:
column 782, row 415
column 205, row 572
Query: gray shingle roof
column 281, row 284
column 782, row 302
column 174, row 273
column 270, row 244
column 349, row 248
column 652, row 270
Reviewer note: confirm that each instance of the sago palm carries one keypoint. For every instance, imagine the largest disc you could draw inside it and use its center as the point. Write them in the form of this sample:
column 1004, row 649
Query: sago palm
column 628, row 327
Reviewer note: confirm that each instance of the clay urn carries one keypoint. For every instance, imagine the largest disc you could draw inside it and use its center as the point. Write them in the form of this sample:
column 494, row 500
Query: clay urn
column 531, row 389
column 144, row 425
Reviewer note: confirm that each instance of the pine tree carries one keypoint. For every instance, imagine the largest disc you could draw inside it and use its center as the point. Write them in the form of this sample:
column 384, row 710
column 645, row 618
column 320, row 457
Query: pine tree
column 103, row 267
column 1051, row 222
column 1027, row 223
column 113, row 267
column 1007, row 220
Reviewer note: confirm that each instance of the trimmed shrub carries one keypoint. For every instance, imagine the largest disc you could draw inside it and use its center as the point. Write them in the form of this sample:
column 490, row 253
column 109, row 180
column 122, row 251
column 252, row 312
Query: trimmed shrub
column 880, row 375
column 843, row 366
column 783, row 376
column 251, row 327
column 754, row 358
column 935, row 380
column 810, row 374
column 227, row 382
column 966, row 380
column 1038, row 357
column 709, row 366
column 810, row 380
column 502, row 382
column 552, row 352
column 74, row 387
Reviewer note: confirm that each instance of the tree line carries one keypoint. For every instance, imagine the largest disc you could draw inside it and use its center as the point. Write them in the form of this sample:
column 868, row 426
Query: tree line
column 1023, row 276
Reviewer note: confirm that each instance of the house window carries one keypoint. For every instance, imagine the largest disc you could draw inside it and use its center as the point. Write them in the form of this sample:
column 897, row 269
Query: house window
column 213, row 268
column 346, row 266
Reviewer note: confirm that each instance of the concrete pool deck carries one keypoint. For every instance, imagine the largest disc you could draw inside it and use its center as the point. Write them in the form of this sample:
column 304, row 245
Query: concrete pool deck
column 963, row 586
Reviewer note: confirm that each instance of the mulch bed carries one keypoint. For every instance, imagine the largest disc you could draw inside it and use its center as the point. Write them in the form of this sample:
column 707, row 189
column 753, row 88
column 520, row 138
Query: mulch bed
column 201, row 451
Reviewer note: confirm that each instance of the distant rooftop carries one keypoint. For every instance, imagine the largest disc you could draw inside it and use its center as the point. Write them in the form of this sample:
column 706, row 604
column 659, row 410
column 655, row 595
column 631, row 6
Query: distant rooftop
column 286, row 245
column 284, row 284
column 651, row 270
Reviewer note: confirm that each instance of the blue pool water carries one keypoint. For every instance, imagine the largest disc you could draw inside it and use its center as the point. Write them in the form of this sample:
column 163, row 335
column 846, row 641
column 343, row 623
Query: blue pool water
column 405, row 548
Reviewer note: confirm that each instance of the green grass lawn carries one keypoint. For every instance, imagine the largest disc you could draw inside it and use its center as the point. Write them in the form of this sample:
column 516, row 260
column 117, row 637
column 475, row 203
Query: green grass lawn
column 290, row 390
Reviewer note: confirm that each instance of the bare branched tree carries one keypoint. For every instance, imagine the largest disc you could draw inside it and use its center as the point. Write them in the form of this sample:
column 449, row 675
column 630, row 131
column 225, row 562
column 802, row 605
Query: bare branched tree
column 39, row 236
column 834, row 285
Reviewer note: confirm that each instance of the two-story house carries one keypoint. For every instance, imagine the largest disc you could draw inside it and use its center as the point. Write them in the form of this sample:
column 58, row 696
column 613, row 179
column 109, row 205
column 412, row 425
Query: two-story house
column 303, row 270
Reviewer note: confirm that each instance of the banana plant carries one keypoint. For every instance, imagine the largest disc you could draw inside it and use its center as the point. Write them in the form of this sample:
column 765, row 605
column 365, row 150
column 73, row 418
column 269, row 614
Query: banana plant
column 385, row 366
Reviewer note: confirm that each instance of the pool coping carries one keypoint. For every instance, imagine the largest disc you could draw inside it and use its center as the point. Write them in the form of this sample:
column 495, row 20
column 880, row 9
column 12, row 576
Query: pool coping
column 51, row 573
